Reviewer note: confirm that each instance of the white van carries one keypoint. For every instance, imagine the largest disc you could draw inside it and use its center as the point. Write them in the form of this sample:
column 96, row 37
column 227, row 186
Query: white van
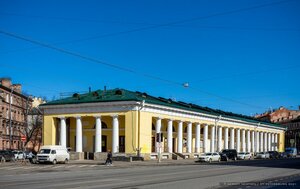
column 53, row 154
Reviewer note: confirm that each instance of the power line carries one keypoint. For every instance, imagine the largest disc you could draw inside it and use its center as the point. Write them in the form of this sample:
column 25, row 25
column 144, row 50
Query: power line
column 174, row 23
column 116, row 66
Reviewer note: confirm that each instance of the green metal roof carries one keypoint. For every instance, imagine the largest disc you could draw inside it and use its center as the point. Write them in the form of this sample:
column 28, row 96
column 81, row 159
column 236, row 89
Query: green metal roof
column 125, row 95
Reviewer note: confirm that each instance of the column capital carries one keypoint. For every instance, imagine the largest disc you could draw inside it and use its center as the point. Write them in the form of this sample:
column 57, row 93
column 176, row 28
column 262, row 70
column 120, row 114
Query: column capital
column 158, row 118
column 77, row 117
column 97, row 116
column 179, row 121
column 115, row 116
column 61, row 117
column 170, row 119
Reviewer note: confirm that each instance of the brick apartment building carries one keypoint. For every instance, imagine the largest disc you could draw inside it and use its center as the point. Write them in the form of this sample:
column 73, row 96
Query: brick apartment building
column 288, row 118
column 13, row 116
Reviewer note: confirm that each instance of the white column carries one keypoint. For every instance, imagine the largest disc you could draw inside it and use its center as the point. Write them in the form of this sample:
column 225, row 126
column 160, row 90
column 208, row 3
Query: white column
column 170, row 136
column 265, row 141
column 189, row 137
column 205, row 138
column 157, row 130
column 115, row 134
column 98, row 135
column 257, row 142
column 243, row 140
column 253, row 141
column 232, row 138
column 179, row 137
column 63, row 132
column 219, row 139
column 248, row 141
column 269, row 141
column 261, row 141
column 197, row 142
column 212, row 139
column 238, row 140
column 276, row 142
column 78, row 134
column 272, row 141
column 226, row 138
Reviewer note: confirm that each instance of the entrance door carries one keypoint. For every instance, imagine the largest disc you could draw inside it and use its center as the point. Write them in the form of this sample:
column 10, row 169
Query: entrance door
column 153, row 144
column 104, row 143
column 121, row 143
column 174, row 149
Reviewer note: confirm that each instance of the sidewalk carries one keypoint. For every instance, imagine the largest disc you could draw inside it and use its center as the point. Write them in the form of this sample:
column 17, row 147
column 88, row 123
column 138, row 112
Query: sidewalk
column 136, row 163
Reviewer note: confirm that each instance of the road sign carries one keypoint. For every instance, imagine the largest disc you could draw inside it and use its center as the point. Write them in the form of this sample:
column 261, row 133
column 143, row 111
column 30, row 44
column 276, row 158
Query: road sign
column 23, row 138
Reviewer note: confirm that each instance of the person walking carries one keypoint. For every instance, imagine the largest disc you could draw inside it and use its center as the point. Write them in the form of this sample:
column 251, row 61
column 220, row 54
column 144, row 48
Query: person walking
column 109, row 158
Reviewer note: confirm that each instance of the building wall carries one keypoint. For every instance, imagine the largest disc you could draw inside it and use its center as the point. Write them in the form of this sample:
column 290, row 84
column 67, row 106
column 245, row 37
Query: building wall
column 137, row 127
column 19, row 103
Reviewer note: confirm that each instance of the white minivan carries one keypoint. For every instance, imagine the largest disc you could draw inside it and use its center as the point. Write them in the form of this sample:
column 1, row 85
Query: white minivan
column 53, row 154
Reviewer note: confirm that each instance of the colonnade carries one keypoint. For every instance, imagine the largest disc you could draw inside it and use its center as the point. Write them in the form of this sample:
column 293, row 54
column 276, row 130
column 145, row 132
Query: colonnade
column 217, row 137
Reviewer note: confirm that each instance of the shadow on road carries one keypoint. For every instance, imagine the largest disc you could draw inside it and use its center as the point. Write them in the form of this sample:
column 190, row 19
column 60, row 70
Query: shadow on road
column 292, row 163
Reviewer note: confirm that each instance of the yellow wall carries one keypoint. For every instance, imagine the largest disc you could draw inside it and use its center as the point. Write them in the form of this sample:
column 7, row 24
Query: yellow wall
column 134, row 125
column 49, row 130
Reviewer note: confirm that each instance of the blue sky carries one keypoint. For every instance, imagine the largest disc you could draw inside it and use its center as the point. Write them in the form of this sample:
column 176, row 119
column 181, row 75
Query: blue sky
column 240, row 56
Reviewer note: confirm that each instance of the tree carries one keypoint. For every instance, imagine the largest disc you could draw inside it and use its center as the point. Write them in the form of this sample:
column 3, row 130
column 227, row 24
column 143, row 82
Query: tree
column 32, row 129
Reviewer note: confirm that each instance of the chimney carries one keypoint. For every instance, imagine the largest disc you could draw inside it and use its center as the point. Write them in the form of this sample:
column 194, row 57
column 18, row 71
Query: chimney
column 6, row 82
column 17, row 88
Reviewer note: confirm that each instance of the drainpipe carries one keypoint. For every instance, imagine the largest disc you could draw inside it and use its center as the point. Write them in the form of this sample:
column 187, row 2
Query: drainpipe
column 142, row 104
column 10, row 117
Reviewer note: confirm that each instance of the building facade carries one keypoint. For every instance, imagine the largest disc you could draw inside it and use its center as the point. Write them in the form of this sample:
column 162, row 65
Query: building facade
column 127, row 123
column 288, row 118
column 13, row 106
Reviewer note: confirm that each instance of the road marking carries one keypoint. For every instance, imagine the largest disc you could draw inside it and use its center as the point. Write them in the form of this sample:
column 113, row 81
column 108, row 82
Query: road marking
column 82, row 166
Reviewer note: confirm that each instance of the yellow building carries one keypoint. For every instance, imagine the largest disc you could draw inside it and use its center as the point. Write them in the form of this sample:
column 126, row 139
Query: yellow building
column 127, row 123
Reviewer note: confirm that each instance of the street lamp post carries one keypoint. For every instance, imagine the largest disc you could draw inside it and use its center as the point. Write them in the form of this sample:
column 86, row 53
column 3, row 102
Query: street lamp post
column 216, row 132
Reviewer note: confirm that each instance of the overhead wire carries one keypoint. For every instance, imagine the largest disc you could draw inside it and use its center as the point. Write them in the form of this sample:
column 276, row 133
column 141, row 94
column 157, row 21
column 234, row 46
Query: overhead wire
column 117, row 67
column 141, row 29
column 174, row 23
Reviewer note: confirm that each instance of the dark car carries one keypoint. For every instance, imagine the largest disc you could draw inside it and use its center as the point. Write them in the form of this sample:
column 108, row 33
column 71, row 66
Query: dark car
column 274, row 155
column 228, row 154
column 6, row 155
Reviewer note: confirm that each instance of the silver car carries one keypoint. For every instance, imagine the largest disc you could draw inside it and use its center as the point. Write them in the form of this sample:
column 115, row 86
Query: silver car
column 262, row 155
column 244, row 155
column 210, row 157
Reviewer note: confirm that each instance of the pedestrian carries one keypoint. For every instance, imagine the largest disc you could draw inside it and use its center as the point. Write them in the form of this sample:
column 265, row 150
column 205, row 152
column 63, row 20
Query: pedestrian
column 109, row 158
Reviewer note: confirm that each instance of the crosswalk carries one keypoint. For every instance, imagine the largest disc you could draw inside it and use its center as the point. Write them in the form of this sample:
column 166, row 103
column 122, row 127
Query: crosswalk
column 47, row 167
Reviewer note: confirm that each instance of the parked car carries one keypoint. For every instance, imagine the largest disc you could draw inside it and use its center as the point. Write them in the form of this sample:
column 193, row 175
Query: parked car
column 227, row 154
column 7, row 155
column 209, row 157
column 274, row 154
column 244, row 155
column 53, row 154
column 291, row 152
column 262, row 155
column 283, row 155
column 18, row 154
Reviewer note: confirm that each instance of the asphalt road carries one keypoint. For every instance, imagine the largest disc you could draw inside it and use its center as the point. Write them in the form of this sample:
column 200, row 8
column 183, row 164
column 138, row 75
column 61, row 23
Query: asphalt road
column 241, row 174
